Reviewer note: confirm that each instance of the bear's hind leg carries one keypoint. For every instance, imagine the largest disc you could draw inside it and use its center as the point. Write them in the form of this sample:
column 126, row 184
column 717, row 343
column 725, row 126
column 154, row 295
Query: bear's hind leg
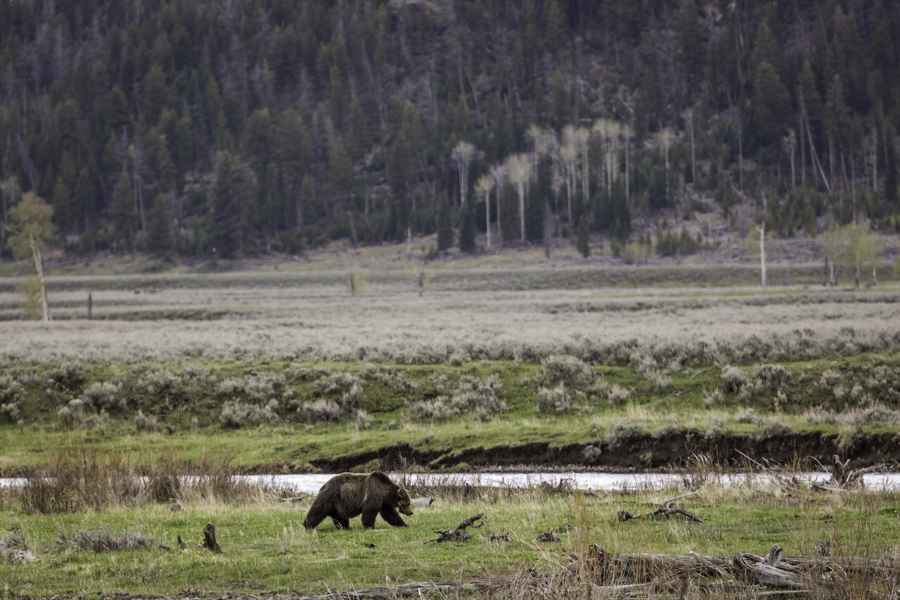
column 389, row 514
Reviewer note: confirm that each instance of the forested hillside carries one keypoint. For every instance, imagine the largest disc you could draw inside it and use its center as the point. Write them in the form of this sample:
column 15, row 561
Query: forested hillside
column 236, row 127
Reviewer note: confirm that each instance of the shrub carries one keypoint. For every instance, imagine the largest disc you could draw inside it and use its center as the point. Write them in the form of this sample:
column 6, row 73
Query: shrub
column 146, row 424
column 255, row 388
column 660, row 381
column 568, row 370
column 104, row 396
column 748, row 416
column 555, row 400
column 78, row 414
column 734, row 380
column 437, row 409
column 68, row 375
column 611, row 393
column 471, row 396
column 320, row 411
column 236, row 414
column 772, row 378
column 301, row 374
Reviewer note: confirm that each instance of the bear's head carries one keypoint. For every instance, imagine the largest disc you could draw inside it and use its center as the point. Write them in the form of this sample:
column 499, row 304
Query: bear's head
column 404, row 504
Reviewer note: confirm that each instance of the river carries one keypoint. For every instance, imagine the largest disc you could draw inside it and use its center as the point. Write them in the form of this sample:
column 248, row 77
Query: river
column 310, row 484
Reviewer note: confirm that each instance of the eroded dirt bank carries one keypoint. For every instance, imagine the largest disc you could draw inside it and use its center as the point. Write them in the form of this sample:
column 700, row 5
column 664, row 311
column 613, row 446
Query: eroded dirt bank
column 635, row 451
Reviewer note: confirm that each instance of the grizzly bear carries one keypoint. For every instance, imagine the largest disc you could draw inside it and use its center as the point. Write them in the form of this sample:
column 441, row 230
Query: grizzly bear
column 347, row 495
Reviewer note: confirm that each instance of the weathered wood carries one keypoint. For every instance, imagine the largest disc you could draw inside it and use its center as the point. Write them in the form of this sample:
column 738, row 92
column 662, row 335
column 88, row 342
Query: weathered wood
column 459, row 534
column 209, row 539
column 666, row 510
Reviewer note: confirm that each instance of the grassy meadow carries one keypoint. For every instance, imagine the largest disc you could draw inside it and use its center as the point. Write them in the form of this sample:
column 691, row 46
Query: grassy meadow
column 468, row 366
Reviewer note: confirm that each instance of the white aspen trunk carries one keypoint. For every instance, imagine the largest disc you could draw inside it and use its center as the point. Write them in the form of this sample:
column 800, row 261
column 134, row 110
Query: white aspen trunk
column 499, row 222
column 793, row 170
column 487, row 219
column 628, row 171
column 762, row 255
column 693, row 152
column 522, row 211
column 39, row 269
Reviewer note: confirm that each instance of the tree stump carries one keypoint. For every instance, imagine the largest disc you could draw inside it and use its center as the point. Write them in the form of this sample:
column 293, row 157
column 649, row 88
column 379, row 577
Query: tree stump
column 209, row 539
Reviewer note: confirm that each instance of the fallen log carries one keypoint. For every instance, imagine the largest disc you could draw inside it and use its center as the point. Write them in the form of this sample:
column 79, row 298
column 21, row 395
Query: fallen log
column 774, row 571
column 459, row 534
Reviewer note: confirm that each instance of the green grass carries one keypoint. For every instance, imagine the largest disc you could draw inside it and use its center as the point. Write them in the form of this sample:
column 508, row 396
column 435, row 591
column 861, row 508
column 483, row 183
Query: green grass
column 266, row 548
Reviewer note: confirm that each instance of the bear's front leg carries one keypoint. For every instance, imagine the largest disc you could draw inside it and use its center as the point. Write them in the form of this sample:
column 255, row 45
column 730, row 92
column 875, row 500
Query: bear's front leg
column 389, row 514
column 368, row 518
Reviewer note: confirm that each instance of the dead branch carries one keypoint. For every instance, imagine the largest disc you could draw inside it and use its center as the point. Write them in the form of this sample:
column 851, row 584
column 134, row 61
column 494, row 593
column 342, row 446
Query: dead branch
column 666, row 510
column 459, row 534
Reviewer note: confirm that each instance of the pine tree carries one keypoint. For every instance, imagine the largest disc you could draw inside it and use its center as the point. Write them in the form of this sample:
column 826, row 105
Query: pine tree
column 234, row 190
column 159, row 227
column 583, row 241
column 122, row 212
column 890, row 177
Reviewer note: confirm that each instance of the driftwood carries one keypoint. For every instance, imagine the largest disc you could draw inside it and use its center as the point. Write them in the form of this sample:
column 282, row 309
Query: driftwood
column 773, row 571
column 459, row 534
column 666, row 510
column 843, row 477
column 209, row 539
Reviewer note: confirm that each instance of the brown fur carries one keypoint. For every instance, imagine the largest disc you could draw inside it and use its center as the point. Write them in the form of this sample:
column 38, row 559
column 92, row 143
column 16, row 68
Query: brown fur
column 348, row 495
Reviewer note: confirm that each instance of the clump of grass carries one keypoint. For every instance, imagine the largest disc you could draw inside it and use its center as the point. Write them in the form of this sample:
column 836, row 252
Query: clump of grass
column 103, row 541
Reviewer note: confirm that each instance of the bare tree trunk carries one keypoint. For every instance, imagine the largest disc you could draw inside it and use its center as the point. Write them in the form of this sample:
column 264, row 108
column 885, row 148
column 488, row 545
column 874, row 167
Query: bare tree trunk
column 522, row 212
column 39, row 269
column 875, row 275
column 762, row 255
column 802, row 152
column 548, row 230
column 499, row 221
column 487, row 219
column 627, row 171
column 693, row 151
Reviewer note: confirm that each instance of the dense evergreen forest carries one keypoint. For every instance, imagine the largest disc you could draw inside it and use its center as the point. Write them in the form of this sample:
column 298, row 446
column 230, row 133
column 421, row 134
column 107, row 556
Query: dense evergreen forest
column 238, row 127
